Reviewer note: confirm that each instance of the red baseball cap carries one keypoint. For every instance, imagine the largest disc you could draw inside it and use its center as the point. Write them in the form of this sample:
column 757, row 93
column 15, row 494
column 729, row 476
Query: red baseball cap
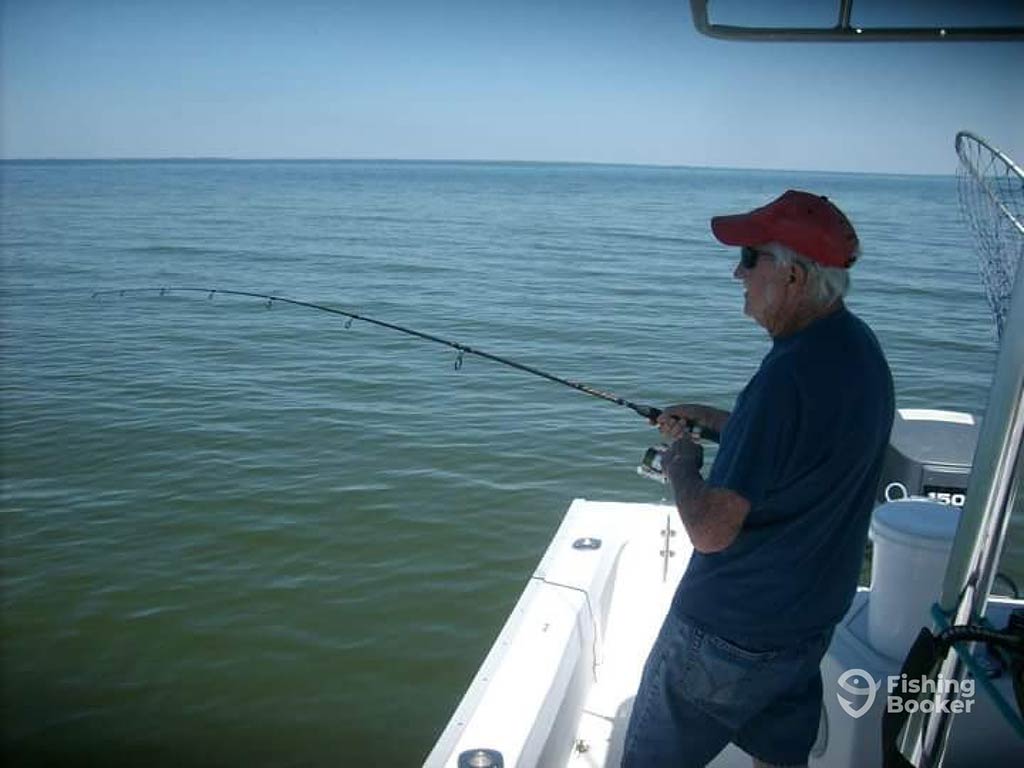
column 809, row 224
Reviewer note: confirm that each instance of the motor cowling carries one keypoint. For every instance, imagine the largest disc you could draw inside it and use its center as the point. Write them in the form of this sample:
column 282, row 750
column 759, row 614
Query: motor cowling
column 929, row 456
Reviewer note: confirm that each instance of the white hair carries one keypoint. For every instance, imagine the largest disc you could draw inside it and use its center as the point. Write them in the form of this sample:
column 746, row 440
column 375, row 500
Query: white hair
column 825, row 284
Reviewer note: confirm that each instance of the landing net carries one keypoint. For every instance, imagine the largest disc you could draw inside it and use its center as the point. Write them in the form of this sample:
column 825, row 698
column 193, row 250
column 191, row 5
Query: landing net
column 991, row 190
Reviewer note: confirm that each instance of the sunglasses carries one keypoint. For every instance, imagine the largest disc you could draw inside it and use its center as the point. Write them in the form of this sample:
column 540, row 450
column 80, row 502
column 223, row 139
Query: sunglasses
column 749, row 256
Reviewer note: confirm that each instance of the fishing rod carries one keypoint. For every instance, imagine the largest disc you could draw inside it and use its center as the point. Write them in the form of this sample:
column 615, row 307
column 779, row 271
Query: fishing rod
column 649, row 412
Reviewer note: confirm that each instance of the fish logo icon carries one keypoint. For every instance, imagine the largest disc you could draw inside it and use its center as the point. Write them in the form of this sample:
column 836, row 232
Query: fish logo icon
column 849, row 682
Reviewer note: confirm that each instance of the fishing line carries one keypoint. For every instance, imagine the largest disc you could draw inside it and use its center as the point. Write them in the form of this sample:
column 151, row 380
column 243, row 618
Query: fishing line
column 649, row 412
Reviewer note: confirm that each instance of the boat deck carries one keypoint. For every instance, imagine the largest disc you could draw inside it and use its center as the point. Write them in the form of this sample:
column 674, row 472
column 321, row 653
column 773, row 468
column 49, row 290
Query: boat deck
column 558, row 685
column 646, row 581
column 576, row 643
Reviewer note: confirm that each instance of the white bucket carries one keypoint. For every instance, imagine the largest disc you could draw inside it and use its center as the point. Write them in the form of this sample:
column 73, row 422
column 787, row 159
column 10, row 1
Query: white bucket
column 912, row 540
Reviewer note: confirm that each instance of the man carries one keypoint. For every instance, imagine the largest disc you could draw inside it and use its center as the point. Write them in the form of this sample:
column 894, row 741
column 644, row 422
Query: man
column 779, row 526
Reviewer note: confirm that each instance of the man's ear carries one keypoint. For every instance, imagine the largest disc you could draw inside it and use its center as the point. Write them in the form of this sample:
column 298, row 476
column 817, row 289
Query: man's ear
column 797, row 274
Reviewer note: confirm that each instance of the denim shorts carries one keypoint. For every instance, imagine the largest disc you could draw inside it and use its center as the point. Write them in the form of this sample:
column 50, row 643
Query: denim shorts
column 699, row 692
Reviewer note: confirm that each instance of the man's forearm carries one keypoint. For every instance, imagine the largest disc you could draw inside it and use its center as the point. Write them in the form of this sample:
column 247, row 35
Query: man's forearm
column 712, row 516
column 687, row 492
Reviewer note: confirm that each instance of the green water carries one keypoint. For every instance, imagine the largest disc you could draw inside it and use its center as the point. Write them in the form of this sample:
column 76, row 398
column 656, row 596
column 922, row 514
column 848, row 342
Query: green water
column 235, row 535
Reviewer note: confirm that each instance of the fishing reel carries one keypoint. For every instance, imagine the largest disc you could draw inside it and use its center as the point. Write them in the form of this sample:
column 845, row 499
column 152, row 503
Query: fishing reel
column 651, row 464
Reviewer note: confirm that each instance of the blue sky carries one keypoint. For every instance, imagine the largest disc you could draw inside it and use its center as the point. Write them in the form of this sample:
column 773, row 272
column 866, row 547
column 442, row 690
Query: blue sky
column 626, row 81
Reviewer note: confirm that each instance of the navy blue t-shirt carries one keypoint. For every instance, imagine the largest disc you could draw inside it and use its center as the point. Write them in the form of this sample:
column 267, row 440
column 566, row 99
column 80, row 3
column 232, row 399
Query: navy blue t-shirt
column 804, row 445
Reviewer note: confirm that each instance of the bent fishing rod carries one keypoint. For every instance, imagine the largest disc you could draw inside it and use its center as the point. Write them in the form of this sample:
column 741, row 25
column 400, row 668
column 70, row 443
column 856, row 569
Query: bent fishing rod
column 649, row 412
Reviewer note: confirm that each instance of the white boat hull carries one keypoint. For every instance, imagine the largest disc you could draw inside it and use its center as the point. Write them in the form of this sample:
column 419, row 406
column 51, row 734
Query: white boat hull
column 557, row 686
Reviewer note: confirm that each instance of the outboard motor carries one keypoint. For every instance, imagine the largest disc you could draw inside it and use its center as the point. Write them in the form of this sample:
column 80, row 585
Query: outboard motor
column 929, row 456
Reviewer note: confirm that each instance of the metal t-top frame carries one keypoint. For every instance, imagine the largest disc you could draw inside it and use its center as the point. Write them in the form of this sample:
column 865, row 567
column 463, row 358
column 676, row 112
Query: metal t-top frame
column 845, row 31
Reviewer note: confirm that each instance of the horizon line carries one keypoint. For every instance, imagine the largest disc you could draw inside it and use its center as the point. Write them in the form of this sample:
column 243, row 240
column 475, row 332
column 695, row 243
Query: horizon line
column 464, row 161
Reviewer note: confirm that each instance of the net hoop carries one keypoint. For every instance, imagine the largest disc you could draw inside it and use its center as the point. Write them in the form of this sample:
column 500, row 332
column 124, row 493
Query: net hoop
column 990, row 187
